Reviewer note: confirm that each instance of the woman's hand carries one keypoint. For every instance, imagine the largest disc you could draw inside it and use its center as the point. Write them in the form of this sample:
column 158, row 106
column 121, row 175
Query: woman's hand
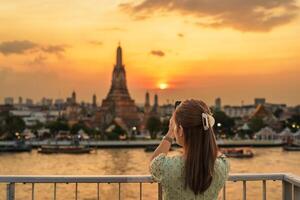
column 165, row 145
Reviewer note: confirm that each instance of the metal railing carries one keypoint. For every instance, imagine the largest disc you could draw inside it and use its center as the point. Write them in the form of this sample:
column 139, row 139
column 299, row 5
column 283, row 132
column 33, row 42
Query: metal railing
column 290, row 183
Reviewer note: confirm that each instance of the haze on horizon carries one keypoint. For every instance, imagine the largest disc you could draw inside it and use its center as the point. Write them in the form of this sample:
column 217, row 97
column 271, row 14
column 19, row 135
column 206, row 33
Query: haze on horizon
column 236, row 50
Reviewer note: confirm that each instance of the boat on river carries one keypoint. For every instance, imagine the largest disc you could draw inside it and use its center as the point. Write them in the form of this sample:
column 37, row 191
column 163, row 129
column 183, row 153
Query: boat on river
column 291, row 147
column 238, row 152
column 15, row 148
column 18, row 146
column 68, row 149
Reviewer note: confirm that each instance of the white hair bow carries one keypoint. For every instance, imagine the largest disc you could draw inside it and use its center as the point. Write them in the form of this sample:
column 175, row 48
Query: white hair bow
column 208, row 121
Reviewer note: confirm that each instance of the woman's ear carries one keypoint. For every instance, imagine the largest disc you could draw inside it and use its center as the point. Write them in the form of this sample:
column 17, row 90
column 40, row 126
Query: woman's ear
column 180, row 131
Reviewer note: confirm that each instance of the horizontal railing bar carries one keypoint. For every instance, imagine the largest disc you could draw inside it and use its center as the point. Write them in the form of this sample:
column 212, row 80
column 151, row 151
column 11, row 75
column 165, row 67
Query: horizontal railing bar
column 255, row 176
column 293, row 179
column 76, row 179
column 135, row 178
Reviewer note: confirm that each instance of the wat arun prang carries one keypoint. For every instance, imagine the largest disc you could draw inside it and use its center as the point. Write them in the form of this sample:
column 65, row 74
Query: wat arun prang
column 118, row 107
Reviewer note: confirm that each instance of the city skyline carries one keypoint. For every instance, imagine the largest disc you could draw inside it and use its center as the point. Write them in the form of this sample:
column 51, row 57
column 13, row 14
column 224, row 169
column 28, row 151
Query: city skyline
column 95, row 99
column 198, row 54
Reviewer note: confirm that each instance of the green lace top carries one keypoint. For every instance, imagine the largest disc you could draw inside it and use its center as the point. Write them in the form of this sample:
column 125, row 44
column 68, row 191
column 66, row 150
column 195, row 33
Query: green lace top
column 169, row 170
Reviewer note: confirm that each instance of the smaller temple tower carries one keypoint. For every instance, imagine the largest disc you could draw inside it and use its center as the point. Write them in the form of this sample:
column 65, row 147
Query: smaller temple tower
column 94, row 100
column 155, row 108
column 218, row 104
column 73, row 97
column 147, row 107
column 150, row 111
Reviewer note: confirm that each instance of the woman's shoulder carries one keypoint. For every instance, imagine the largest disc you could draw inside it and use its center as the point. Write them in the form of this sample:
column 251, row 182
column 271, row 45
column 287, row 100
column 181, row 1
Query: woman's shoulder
column 166, row 161
column 222, row 164
column 222, row 156
column 222, row 159
column 174, row 158
column 162, row 165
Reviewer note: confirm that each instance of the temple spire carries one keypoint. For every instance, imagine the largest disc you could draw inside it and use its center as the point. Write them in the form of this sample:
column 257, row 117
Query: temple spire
column 119, row 75
column 118, row 107
column 119, row 56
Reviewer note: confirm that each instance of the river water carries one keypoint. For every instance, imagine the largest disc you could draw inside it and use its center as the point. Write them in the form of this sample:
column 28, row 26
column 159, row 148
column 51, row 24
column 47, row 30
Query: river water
column 132, row 162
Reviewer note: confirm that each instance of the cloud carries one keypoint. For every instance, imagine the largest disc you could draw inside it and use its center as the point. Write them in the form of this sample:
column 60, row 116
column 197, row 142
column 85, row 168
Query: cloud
column 95, row 42
column 39, row 60
column 57, row 50
column 252, row 15
column 24, row 46
column 111, row 29
column 17, row 47
column 158, row 53
column 54, row 49
column 180, row 35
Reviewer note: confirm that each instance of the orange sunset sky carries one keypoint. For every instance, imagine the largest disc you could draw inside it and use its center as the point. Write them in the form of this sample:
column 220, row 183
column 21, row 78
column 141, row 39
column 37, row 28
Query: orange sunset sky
column 233, row 49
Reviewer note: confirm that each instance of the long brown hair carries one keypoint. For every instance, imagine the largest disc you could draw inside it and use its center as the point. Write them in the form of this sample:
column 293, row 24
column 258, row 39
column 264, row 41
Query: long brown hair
column 199, row 145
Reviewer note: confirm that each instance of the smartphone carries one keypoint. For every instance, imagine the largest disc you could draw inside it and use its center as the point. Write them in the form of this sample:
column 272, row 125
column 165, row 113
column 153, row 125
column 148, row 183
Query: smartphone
column 177, row 103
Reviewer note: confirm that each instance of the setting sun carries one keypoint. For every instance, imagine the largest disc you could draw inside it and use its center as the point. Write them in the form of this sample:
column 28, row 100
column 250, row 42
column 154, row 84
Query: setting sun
column 163, row 86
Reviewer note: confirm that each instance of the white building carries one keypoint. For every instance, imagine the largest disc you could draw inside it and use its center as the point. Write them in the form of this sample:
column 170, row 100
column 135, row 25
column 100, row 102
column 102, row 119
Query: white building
column 46, row 102
column 59, row 102
column 286, row 135
column 31, row 118
column 29, row 102
column 9, row 101
column 239, row 111
column 266, row 134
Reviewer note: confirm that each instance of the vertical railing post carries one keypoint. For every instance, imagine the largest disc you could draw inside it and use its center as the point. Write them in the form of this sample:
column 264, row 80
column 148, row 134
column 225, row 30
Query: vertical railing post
column 10, row 191
column 54, row 192
column 141, row 191
column 224, row 192
column 296, row 192
column 264, row 197
column 76, row 191
column 244, row 190
column 159, row 191
column 119, row 191
column 98, row 192
column 287, row 190
column 32, row 191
